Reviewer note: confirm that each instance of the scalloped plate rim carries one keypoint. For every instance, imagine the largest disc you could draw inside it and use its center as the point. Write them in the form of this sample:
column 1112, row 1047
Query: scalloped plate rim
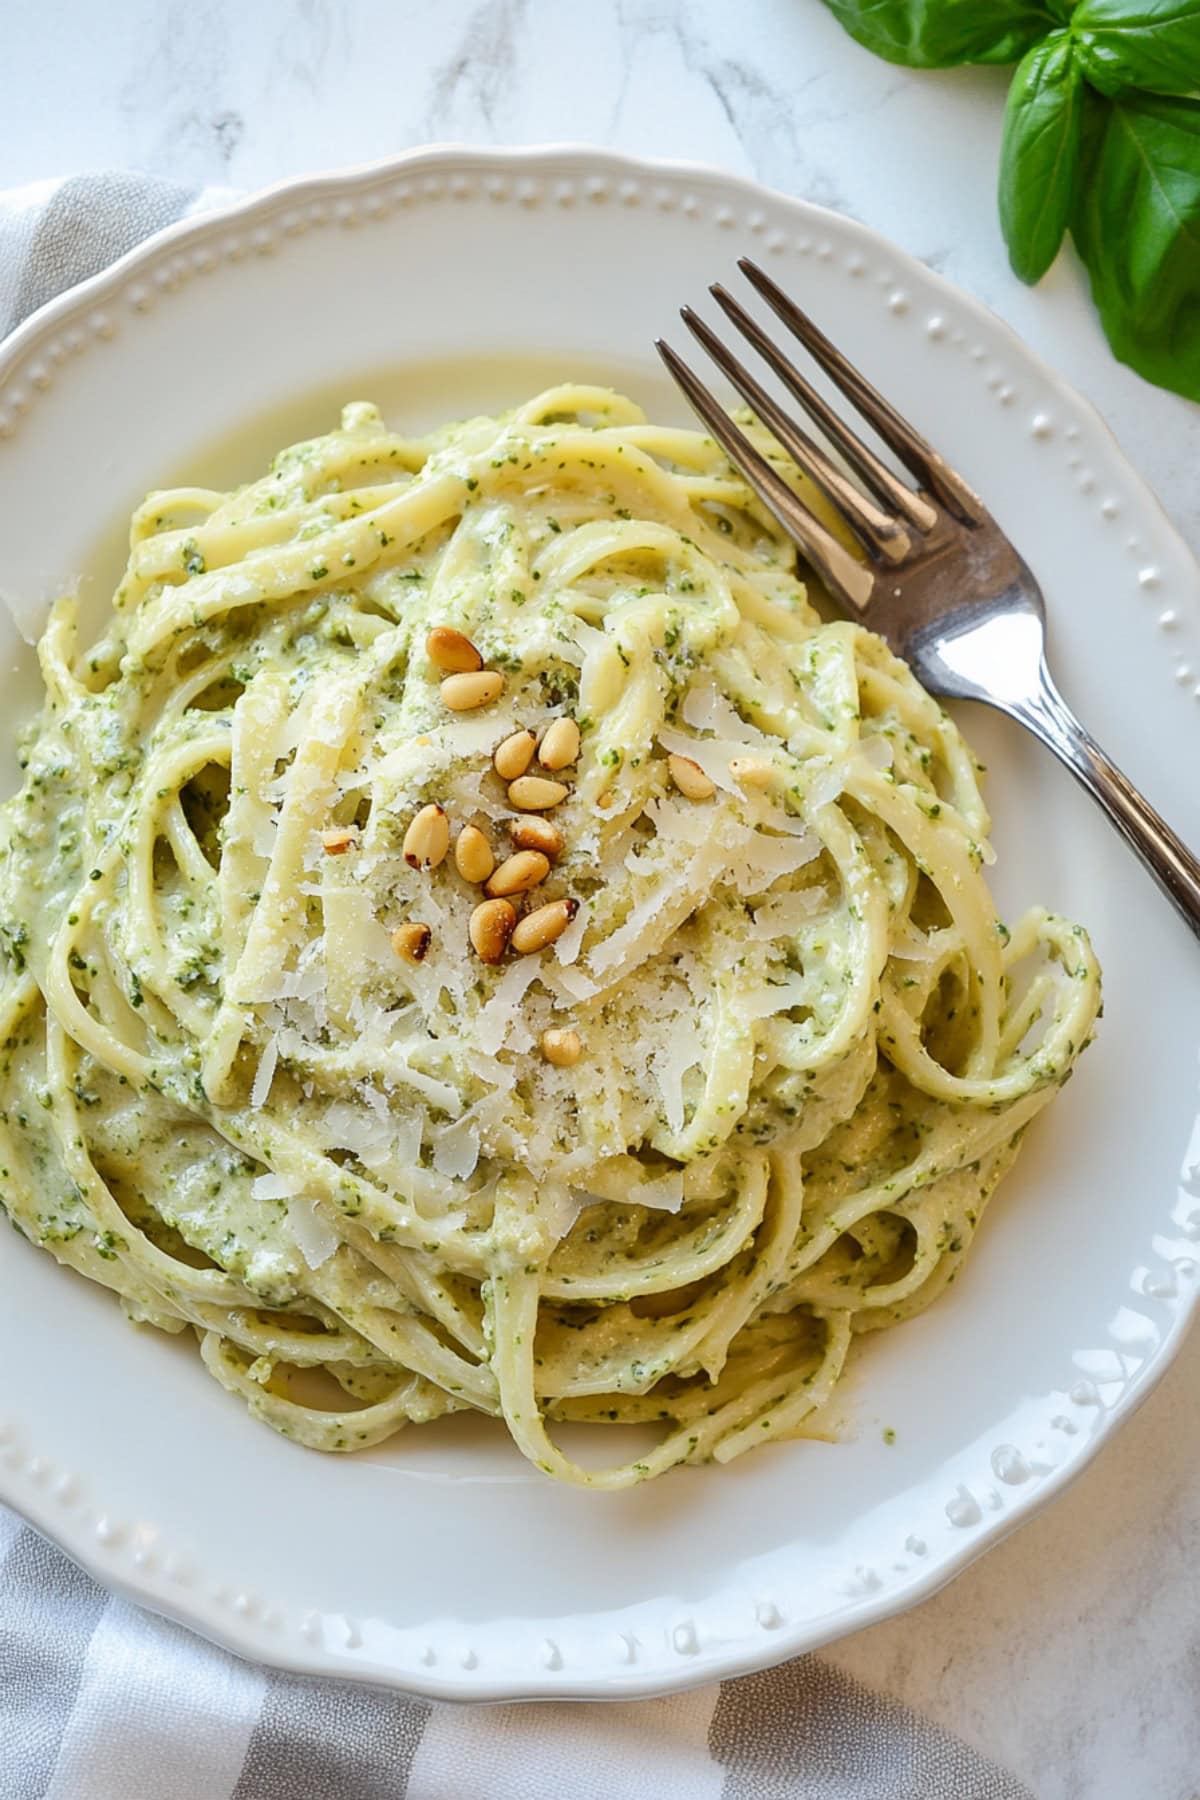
column 32, row 1502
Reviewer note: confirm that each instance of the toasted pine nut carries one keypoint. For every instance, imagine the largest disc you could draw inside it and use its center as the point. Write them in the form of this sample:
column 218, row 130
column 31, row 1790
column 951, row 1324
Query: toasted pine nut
column 690, row 778
column 532, row 833
column 451, row 652
column 427, row 839
column 533, row 793
column 750, row 771
column 543, row 925
column 338, row 839
column 463, row 693
column 474, row 857
column 517, row 874
column 559, row 745
column 562, row 1048
column 490, row 929
column 514, row 755
column 411, row 941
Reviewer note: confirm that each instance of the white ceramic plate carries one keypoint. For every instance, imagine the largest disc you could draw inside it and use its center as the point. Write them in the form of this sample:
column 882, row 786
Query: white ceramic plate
column 455, row 280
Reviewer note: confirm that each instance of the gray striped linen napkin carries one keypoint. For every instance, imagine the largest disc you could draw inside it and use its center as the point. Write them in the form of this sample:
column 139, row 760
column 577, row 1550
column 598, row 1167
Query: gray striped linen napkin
column 101, row 1701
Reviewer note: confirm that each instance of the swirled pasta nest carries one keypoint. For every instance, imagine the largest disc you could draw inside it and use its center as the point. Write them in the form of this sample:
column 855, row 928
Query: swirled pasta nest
column 804, row 1048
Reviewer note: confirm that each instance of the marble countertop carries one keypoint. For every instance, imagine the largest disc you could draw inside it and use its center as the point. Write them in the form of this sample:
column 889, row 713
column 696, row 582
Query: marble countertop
column 1071, row 1652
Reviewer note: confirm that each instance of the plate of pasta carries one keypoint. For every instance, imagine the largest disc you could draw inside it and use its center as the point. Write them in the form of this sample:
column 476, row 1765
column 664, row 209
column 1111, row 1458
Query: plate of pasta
column 524, row 1033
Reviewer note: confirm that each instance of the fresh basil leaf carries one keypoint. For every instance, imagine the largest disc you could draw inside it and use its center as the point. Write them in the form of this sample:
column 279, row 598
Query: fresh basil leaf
column 1151, row 44
column 937, row 34
column 1039, row 156
column 1136, row 222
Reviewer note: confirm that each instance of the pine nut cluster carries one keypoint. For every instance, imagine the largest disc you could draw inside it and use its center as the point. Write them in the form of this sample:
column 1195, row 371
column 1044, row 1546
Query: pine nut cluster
column 497, row 925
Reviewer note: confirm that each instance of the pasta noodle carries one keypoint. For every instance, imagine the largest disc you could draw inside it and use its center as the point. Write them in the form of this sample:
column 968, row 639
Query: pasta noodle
column 257, row 1077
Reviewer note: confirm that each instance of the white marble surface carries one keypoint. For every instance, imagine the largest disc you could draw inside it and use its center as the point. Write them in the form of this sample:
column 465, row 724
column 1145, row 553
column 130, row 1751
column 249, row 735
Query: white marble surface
column 1072, row 1652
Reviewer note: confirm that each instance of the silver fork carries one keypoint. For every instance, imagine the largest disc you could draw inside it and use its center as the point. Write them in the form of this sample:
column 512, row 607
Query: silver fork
column 941, row 583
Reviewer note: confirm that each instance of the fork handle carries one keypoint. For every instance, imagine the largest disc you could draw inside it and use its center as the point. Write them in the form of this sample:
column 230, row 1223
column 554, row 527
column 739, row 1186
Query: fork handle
column 1166, row 856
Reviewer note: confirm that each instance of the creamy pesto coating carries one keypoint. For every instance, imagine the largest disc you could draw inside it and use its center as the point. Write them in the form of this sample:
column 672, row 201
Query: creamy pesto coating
column 809, row 1046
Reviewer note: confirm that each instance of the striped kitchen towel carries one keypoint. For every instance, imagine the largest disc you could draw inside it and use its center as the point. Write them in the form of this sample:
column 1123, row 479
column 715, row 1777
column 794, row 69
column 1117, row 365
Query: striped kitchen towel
column 101, row 1701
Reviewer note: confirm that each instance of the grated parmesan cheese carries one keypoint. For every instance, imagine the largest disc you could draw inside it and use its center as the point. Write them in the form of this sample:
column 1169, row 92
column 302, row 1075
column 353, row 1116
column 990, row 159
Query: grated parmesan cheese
column 559, row 1206
column 670, row 1063
column 264, row 1075
column 573, row 985
column 653, row 920
column 275, row 1187
column 407, row 1132
column 349, row 1128
column 705, row 708
column 496, row 1018
column 567, row 947
column 264, row 835
column 761, row 860
column 456, row 1149
column 316, row 1238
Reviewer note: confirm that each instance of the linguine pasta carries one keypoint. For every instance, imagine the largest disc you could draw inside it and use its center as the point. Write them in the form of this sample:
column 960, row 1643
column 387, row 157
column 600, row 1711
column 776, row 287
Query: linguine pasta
column 727, row 1080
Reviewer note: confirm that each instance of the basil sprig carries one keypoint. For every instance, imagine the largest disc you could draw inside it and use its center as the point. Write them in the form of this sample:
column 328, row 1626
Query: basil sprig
column 1154, row 45
column 1043, row 129
column 937, row 36
column 1142, row 166
column 1101, row 138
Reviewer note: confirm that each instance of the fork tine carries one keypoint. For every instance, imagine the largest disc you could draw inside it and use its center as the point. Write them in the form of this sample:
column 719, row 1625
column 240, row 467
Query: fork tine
column 886, row 487
column 876, row 530
column 848, row 579
column 916, row 455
